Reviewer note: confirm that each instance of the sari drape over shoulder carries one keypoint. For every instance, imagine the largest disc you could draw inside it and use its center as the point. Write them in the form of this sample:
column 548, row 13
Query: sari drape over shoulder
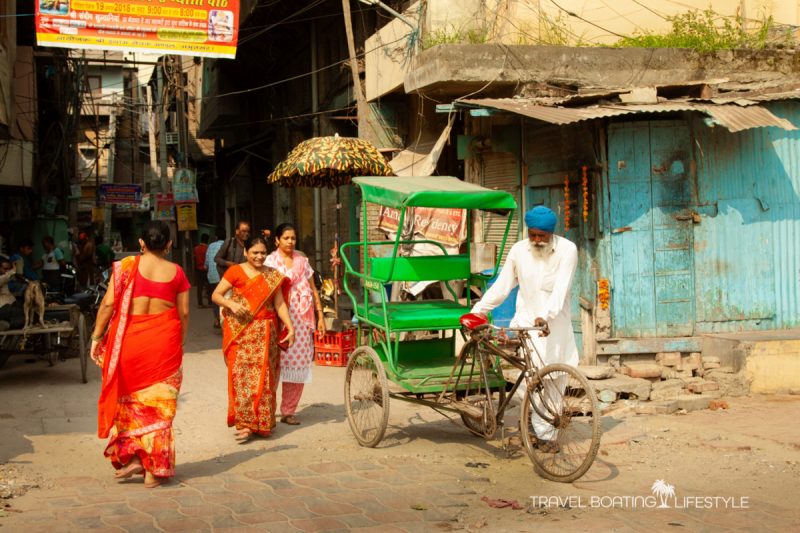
column 251, row 349
column 141, row 379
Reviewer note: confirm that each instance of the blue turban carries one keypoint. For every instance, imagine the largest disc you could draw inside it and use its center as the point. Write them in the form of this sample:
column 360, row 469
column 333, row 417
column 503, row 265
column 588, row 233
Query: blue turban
column 541, row 218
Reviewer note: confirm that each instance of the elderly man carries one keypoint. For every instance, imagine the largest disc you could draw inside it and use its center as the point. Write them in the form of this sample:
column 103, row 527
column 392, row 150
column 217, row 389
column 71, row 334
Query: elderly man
column 543, row 265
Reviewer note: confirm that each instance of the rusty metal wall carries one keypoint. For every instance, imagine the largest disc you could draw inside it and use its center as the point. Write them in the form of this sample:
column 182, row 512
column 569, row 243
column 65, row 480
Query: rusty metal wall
column 747, row 258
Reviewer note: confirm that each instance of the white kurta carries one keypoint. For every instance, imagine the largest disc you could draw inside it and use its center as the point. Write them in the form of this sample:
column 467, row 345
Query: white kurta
column 544, row 291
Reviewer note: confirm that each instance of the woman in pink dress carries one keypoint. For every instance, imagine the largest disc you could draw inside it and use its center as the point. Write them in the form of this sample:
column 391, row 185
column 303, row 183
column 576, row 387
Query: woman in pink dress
column 296, row 362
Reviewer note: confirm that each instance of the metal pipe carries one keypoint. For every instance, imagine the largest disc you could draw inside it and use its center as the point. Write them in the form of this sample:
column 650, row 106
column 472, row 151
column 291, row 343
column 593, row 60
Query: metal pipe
column 389, row 10
column 315, row 122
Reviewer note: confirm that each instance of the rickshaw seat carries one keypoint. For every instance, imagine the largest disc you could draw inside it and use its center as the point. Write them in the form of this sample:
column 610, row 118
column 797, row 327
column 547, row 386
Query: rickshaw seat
column 420, row 315
column 421, row 268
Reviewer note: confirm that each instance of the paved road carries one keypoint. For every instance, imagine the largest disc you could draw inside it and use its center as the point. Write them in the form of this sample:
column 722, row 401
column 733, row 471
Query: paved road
column 428, row 474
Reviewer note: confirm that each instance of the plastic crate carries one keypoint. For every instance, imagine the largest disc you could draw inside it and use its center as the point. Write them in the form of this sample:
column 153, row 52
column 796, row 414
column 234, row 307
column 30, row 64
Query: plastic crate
column 333, row 349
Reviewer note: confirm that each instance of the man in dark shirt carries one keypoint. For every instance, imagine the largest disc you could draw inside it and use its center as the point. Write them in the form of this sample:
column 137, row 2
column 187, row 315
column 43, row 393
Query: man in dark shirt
column 232, row 251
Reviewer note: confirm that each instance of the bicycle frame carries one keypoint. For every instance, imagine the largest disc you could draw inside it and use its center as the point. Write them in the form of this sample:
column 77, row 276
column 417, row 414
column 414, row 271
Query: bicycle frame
column 520, row 358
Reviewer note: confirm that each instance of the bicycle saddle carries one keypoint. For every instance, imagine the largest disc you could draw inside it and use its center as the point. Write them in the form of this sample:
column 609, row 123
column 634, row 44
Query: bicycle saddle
column 473, row 320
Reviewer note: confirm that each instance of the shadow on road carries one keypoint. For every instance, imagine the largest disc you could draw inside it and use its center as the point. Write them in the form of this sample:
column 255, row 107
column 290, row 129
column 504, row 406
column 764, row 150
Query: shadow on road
column 220, row 464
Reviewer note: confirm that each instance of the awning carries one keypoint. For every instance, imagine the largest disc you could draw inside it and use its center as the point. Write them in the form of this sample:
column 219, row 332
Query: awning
column 433, row 191
column 732, row 116
column 420, row 159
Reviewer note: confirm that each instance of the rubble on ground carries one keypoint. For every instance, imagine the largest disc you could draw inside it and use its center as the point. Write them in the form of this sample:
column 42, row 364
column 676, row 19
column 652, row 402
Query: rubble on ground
column 672, row 382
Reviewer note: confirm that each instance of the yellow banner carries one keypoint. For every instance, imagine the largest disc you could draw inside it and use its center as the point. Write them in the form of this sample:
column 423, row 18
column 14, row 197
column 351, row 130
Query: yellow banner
column 207, row 28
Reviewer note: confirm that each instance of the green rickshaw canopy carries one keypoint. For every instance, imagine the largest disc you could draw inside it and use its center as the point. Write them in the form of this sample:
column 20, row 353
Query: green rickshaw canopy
column 433, row 191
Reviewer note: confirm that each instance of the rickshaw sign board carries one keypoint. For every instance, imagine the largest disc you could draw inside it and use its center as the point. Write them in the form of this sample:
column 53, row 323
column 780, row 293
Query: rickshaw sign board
column 207, row 28
column 443, row 225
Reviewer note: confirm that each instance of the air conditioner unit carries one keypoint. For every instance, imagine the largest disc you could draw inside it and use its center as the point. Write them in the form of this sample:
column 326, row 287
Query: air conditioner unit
column 172, row 137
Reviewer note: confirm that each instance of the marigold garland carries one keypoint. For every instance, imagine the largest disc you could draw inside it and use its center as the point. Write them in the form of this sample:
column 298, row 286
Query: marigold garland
column 603, row 293
column 566, row 202
column 585, row 188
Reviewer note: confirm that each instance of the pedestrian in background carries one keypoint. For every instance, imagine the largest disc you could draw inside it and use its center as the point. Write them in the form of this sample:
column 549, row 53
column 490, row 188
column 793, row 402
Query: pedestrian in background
column 138, row 341
column 232, row 250
column 250, row 336
column 24, row 267
column 52, row 263
column 105, row 255
column 296, row 362
column 201, row 272
column 85, row 261
column 212, row 273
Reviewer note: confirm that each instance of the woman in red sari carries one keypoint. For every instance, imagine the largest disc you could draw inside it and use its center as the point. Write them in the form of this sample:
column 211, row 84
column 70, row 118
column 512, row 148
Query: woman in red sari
column 250, row 339
column 138, row 340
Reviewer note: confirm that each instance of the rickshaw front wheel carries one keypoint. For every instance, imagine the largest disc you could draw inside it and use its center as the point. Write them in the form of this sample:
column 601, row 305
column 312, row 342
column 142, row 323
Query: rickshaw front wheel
column 560, row 423
column 366, row 396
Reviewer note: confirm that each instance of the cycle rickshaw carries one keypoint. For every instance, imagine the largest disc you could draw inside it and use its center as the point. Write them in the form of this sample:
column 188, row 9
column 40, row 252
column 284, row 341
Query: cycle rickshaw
column 559, row 416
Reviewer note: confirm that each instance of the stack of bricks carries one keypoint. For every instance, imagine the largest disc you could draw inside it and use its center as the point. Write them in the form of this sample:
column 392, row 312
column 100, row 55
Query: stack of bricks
column 672, row 381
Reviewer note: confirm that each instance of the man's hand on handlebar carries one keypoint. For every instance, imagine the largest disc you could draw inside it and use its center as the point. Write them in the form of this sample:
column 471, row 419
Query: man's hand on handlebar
column 542, row 323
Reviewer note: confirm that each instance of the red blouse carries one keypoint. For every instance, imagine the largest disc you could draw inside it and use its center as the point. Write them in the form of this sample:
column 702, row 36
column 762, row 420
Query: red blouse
column 168, row 290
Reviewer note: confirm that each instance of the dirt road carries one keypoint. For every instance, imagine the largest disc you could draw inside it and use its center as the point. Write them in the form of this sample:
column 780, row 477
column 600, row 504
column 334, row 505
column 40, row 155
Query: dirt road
column 728, row 469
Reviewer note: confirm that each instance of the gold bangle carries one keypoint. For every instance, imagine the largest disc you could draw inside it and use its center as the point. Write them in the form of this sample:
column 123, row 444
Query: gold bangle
column 97, row 338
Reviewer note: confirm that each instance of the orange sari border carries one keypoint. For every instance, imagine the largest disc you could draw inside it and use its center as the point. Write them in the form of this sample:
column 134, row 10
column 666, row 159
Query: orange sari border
column 124, row 275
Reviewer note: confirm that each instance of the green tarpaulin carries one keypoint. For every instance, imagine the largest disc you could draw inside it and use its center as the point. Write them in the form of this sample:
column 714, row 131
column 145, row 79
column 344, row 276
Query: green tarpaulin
column 433, row 191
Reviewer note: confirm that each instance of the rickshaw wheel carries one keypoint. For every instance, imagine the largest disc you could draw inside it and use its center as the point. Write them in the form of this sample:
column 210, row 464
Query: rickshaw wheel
column 366, row 396
column 564, row 407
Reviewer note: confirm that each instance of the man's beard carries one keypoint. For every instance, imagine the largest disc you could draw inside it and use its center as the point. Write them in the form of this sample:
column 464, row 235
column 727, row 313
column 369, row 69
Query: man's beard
column 541, row 251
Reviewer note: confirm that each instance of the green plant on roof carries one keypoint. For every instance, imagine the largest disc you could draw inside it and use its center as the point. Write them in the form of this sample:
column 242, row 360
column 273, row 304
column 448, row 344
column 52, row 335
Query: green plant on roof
column 707, row 31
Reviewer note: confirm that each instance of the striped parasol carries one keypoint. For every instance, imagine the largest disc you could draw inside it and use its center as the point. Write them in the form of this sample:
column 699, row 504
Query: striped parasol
column 329, row 162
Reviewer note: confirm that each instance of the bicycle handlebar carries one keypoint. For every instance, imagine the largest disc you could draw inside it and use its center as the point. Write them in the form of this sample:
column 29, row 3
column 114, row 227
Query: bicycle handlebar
column 499, row 328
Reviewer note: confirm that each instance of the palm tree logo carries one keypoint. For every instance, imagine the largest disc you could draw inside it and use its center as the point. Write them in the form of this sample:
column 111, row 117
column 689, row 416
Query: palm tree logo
column 663, row 490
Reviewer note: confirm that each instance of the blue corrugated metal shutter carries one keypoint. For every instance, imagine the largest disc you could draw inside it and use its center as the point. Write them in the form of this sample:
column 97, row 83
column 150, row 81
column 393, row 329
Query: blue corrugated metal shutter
column 651, row 223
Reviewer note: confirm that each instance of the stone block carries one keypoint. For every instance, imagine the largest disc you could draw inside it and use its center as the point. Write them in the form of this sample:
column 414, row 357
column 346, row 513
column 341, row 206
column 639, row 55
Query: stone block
column 692, row 380
column 692, row 402
column 692, row 361
column 667, row 390
column 672, row 359
column 730, row 384
column 710, row 365
column 643, row 370
column 657, row 408
column 710, row 359
column 597, row 371
column 669, row 373
column 624, row 384
column 725, row 370
column 607, row 396
column 703, row 386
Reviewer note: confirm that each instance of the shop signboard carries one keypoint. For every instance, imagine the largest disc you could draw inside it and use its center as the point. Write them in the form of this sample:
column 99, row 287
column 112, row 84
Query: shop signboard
column 120, row 193
column 187, row 216
column 208, row 28
column 445, row 226
column 165, row 205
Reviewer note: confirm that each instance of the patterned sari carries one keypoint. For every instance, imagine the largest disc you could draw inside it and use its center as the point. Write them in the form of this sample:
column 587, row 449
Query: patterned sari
column 251, row 350
column 141, row 380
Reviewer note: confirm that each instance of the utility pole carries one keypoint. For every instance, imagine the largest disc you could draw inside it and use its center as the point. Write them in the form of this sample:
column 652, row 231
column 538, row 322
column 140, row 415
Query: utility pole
column 183, row 147
column 151, row 138
column 162, row 128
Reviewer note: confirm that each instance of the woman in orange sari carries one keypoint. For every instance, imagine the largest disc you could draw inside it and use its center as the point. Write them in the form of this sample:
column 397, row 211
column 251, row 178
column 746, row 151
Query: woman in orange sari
column 250, row 339
column 138, row 340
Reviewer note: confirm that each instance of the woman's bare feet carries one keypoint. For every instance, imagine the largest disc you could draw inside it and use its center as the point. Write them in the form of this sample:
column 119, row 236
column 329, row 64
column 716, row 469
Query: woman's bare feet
column 129, row 470
column 151, row 481
column 244, row 435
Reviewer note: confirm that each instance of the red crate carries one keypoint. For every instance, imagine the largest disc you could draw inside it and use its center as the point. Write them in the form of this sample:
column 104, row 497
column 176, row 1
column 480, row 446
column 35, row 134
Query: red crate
column 333, row 349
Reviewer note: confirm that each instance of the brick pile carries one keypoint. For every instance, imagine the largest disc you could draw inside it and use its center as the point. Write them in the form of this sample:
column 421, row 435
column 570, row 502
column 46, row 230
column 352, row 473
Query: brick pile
column 672, row 381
